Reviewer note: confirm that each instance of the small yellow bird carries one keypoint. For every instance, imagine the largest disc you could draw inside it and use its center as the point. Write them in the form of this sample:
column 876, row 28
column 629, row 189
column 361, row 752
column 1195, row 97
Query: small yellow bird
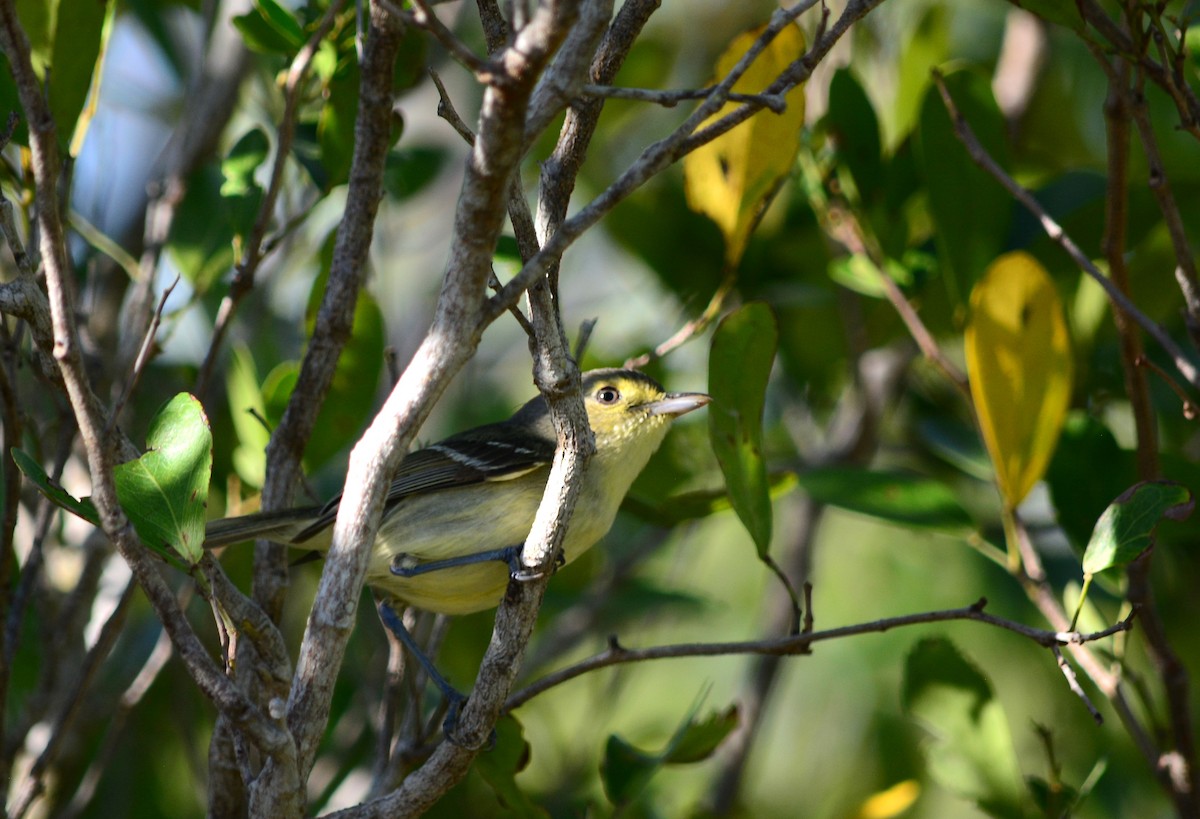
column 459, row 510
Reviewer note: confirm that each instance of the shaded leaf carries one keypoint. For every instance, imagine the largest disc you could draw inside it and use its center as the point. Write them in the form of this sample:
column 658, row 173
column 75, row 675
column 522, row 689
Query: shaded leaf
column 698, row 740
column 957, row 443
column 687, row 506
column 739, row 365
column 1126, row 529
column 164, row 493
column 352, row 392
column 10, row 100
column 969, row 750
column 1078, row 504
column 858, row 273
column 335, row 126
column 33, row 471
column 201, row 239
column 897, row 497
column 269, row 28
column 731, row 178
column 243, row 160
column 852, row 122
column 500, row 765
column 247, row 409
column 410, row 171
column 1019, row 362
column 80, row 38
column 1054, row 11
column 971, row 212
column 626, row 769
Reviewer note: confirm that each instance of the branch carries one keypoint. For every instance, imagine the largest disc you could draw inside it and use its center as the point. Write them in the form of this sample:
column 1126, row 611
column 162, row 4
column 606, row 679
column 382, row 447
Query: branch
column 670, row 99
column 684, row 139
column 424, row 18
column 800, row 644
column 333, row 611
column 457, row 326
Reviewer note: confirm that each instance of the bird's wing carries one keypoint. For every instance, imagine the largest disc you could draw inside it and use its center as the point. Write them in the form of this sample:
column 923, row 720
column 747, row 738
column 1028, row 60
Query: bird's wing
column 471, row 457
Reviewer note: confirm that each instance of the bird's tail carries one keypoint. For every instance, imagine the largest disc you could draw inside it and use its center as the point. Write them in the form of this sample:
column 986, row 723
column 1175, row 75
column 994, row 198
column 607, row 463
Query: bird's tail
column 282, row 526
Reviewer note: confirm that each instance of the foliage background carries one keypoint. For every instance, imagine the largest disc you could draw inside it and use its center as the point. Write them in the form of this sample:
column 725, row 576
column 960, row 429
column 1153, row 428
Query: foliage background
column 834, row 732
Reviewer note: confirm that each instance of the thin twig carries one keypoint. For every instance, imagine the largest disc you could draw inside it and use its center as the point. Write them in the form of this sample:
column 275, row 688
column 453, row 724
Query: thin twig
column 1059, row 236
column 801, row 643
column 446, row 110
column 1190, row 410
column 669, row 99
column 1073, row 682
column 143, row 358
column 693, row 328
column 423, row 17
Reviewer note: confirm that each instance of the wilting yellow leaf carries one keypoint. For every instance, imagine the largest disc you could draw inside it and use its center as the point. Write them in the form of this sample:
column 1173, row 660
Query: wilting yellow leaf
column 1019, row 360
column 892, row 802
column 731, row 178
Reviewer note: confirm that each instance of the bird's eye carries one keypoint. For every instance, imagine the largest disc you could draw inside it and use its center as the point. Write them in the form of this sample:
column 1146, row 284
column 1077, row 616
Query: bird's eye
column 608, row 395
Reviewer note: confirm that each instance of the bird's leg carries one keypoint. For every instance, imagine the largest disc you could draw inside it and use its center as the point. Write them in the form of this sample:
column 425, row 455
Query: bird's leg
column 454, row 697
column 509, row 555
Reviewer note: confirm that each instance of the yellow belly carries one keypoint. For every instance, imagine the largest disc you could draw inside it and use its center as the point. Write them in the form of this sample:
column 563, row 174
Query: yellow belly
column 409, row 530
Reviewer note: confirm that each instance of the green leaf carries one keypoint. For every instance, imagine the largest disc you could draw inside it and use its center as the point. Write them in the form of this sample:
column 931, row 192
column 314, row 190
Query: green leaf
column 201, row 240
column 698, row 740
column 501, row 764
column 1054, row 11
column 970, row 209
column 739, row 365
column 38, row 18
column 243, row 160
column 411, row 60
column 410, row 171
column 80, row 37
column 335, row 126
column 352, row 393
column 269, row 28
column 247, row 409
column 626, row 770
column 59, row 496
column 970, row 750
column 1078, row 504
column 164, row 493
column 10, row 100
column 897, row 497
column 858, row 273
column 702, row 503
column 1126, row 529
column 852, row 122
column 926, row 48
column 958, row 444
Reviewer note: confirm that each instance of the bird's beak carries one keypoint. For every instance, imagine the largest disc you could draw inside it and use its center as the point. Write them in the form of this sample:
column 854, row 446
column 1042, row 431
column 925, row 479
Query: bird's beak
column 678, row 403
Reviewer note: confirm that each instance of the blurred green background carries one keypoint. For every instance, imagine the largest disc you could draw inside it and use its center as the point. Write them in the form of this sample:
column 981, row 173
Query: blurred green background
column 847, row 389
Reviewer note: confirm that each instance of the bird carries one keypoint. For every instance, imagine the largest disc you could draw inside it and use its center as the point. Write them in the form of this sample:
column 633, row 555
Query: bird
column 458, row 511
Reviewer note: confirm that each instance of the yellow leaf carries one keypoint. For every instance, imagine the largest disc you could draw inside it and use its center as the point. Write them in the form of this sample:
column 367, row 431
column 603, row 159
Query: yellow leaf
column 1019, row 360
column 731, row 178
column 892, row 802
